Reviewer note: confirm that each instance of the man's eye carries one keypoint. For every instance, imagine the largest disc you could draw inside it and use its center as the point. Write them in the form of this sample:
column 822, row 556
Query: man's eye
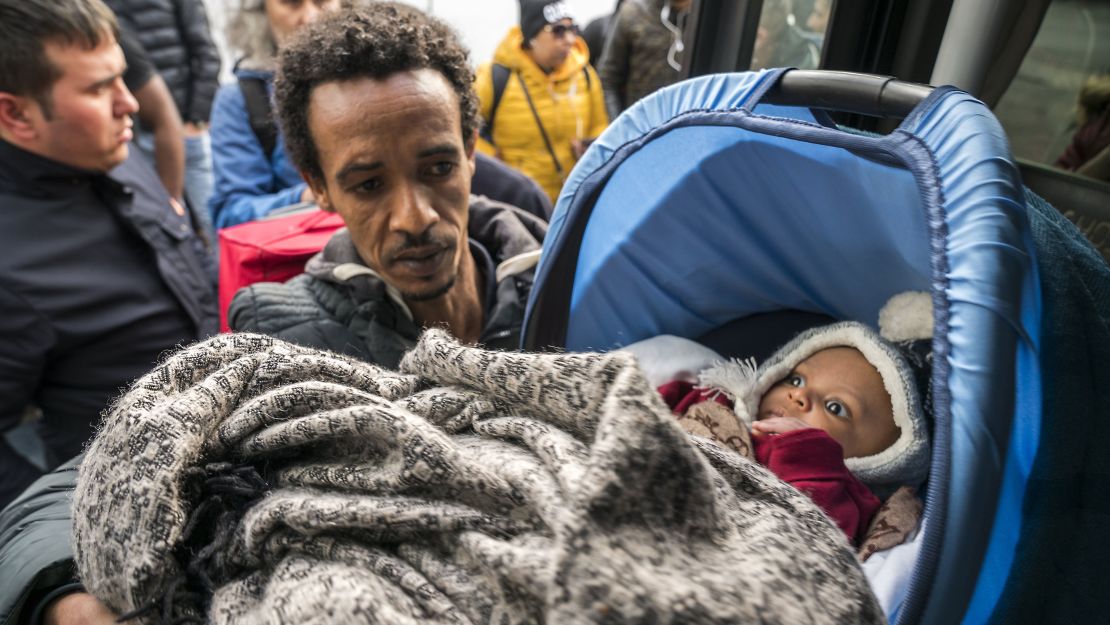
column 442, row 169
column 366, row 186
column 836, row 408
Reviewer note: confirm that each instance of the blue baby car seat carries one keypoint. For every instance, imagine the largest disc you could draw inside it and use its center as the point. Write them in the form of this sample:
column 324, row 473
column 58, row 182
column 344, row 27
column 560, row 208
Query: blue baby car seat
column 706, row 202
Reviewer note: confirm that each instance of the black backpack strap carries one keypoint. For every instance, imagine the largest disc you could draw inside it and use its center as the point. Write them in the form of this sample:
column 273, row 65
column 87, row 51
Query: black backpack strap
column 500, row 74
column 260, row 112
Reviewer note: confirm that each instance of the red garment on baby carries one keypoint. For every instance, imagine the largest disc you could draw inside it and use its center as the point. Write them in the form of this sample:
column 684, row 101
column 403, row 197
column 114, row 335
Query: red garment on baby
column 809, row 460
column 813, row 462
column 679, row 395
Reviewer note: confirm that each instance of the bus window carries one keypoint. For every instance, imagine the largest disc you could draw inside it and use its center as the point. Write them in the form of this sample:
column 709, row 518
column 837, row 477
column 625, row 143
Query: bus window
column 1057, row 109
column 790, row 34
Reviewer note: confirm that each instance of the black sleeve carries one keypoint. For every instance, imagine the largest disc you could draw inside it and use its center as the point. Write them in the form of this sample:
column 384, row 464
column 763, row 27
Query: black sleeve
column 594, row 36
column 25, row 342
column 614, row 66
column 498, row 181
column 204, row 60
column 35, row 553
column 139, row 68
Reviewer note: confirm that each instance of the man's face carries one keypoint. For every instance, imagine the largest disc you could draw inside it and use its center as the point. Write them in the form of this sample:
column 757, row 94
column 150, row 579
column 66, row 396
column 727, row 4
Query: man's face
column 286, row 17
column 89, row 125
column 553, row 43
column 395, row 167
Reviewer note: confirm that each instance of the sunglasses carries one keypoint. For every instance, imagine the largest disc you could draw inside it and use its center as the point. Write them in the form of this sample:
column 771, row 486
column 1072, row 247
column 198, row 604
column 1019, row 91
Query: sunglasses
column 561, row 30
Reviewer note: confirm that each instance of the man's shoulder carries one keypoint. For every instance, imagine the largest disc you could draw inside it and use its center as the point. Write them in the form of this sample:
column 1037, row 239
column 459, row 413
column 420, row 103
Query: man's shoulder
column 305, row 310
column 274, row 307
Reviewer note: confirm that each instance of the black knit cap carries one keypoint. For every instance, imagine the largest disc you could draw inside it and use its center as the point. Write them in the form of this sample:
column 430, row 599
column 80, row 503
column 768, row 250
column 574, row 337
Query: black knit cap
column 535, row 14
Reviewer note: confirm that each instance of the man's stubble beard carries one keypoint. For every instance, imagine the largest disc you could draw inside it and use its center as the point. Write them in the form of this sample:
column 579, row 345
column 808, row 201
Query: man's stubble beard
column 431, row 295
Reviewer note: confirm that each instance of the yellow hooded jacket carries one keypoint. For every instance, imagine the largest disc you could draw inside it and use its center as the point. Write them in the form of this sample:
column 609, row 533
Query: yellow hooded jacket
column 568, row 106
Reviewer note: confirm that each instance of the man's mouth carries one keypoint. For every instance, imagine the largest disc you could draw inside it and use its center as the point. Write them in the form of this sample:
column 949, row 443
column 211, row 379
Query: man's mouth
column 422, row 261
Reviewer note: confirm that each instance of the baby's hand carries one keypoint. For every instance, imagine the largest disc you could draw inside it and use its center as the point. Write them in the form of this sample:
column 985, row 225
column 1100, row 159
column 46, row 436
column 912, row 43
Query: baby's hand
column 778, row 425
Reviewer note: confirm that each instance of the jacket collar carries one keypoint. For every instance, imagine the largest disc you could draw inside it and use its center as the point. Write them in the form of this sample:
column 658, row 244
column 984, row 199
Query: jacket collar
column 24, row 170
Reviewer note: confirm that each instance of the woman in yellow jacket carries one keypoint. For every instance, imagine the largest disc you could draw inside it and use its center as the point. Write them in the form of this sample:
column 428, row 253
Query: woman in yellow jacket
column 541, row 102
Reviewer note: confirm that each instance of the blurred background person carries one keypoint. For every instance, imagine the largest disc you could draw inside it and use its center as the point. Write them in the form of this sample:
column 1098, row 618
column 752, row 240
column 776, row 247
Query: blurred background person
column 1089, row 150
column 175, row 36
column 643, row 51
column 157, row 114
column 778, row 43
column 596, row 33
column 252, row 174
column 541, row 102
column 818, row 18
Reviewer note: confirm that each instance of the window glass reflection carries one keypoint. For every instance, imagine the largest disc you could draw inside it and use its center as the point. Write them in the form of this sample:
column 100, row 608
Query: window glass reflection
column 1057, row 109
column 790, row 34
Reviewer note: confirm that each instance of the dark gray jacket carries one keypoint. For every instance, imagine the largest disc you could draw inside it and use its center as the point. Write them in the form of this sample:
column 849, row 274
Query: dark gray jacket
column 176, row 38
column 339, row 304
column 634, row 61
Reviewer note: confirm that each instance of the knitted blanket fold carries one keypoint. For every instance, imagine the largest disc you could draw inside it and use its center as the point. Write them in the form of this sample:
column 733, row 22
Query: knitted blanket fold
column 247, row 480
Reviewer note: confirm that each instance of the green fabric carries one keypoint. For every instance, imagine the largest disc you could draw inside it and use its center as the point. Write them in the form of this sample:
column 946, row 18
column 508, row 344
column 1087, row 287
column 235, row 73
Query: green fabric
column 1062, row 566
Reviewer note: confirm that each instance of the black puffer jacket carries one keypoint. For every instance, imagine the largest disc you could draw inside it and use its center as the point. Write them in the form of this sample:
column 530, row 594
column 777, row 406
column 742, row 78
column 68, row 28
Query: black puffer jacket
column 341, row 305
column 177, row 40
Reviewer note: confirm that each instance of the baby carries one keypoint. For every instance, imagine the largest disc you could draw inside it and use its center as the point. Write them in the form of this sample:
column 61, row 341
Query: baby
column 836, row 412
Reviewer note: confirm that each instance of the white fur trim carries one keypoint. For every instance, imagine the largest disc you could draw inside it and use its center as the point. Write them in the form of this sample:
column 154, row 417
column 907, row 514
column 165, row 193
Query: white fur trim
column 735, row 378
column 907, row 316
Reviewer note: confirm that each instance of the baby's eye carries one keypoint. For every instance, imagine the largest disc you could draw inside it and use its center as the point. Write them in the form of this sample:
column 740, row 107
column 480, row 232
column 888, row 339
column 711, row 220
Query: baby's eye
column 795, row 380
column 836, row 408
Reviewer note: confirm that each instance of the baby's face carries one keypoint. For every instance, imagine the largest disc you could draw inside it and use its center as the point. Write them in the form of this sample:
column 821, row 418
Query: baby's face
column 838, row 391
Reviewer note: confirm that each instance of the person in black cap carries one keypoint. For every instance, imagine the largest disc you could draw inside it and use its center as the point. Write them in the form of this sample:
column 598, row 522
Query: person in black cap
column 541, row 102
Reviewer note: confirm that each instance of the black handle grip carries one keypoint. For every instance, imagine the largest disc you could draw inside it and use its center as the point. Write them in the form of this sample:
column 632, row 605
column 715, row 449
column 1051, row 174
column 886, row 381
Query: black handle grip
column 865, row 94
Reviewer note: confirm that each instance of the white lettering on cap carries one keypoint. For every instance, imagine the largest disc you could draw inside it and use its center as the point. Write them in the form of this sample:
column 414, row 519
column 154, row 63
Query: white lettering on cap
column 556, row 11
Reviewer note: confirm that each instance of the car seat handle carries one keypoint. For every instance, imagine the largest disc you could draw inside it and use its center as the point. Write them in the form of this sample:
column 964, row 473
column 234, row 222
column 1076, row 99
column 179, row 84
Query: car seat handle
column 865, row 94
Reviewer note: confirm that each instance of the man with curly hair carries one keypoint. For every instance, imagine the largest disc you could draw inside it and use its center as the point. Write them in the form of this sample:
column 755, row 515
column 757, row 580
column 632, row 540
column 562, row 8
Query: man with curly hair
column 379, row 116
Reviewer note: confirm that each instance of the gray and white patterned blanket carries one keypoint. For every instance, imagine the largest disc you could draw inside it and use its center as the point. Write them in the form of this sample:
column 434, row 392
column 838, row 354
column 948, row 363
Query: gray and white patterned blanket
column 247, row 480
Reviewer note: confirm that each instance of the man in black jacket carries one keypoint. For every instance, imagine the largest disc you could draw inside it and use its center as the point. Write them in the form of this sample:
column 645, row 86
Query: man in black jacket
column 101, row 271
column 175, row 36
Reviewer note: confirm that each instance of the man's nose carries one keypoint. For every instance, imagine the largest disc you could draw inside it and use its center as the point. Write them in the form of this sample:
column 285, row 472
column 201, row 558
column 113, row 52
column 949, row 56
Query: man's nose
column 125, row 103
column 412, row 212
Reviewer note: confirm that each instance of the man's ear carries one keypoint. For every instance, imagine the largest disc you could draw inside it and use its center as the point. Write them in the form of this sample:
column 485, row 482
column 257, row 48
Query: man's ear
column 18, row 115
column 319, row 191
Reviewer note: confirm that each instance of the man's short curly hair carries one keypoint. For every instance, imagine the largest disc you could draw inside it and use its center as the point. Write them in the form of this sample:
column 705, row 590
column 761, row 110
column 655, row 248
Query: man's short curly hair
column 373, row 41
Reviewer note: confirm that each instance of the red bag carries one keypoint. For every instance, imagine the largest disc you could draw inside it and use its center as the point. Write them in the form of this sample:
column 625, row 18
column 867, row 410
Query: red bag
column 270, row 250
